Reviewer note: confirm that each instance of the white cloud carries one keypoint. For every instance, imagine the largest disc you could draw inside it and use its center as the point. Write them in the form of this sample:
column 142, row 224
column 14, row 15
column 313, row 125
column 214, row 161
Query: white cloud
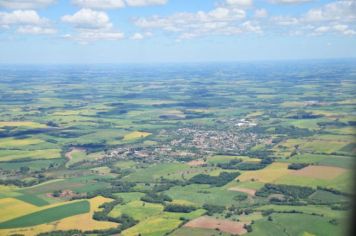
column 26, row 21
column 25, row 4
column 140, row 36
column 338, row 28
column 334, row 11
column 289, row 1
column 142, row 3
column 90, row 35
column 30, row 29
column 240, row 3
column 87, row 18
column 22, row 17
column 261, row 13
column 222, row 20
column 249, row 26
column 91, row 26
column 99, row 4
column 285, row 20
column 322, row 29
column 137, row 36
column 112, row 4
column 349, row 32
column 333, row 17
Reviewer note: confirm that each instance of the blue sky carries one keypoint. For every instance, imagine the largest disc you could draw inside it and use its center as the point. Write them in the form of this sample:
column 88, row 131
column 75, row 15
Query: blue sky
column 126, row 31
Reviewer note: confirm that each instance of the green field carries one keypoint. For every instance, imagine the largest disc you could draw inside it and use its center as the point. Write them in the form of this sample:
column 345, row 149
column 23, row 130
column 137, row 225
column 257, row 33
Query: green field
column 48, row 215
column 295, row 224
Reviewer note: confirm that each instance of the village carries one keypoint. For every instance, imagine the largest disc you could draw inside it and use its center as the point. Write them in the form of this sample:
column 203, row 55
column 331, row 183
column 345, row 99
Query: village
column 193, row 142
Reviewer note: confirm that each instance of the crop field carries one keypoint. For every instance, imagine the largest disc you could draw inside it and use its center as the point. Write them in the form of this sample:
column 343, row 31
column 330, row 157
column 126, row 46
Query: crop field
column 12, row 208
column 11, row 143
column 47, row 215
column 203, row 194
column 153, row 226
column 155, row 172
column 15, row 155
column 28, row 124
column 326, row 160
column 198, row 150
column 222, row 225
column 83, row 221
column 342, row 182
column 136, row 135
column 198, row 232
column 137, row 209
column 320, row 172
column 267, row 175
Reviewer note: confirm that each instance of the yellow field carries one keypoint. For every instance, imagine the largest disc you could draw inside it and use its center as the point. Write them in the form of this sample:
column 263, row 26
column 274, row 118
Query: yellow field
column 12, row 208
column 267, row 175
column 8, row 191
column 136, row 135
column 155, row 225
column 9, row 155
column 80, row 222
column 11, row 142
column 255, row 114
column 22, row 124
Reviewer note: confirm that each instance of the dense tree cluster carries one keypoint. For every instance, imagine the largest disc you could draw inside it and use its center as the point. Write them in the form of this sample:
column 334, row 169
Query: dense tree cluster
column 156, row 198
column 238, row 164
column 179, row 208
column 213, row 209
column 231, row 165
column 295, row 192
column 218, row 181
column 305, row 115
column 297, row 166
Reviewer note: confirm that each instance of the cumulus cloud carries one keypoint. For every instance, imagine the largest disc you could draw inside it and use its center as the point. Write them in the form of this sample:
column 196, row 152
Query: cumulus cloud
column 241, row 3
column 99, row 4
column 112, row 4
column 31, row 29
column 289, row 1
column 25, row 4
column 26, row 21
column 338, row 28
column 137, row 36
column 87, row 18
column 86, row 36
column 338, row 17
column 141, row 36
column 261, row 13
column 18, row 17
column 222, row 20
column 142, row 3
column 339, row 10
column 285, row 20
column 91, row 26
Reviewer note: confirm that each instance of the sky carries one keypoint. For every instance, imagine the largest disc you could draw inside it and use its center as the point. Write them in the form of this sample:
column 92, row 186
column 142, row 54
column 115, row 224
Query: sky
column 159, row 31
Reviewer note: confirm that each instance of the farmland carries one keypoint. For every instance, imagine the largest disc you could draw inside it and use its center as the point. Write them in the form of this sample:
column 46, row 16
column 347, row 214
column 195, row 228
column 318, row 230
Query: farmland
column 247, row 149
